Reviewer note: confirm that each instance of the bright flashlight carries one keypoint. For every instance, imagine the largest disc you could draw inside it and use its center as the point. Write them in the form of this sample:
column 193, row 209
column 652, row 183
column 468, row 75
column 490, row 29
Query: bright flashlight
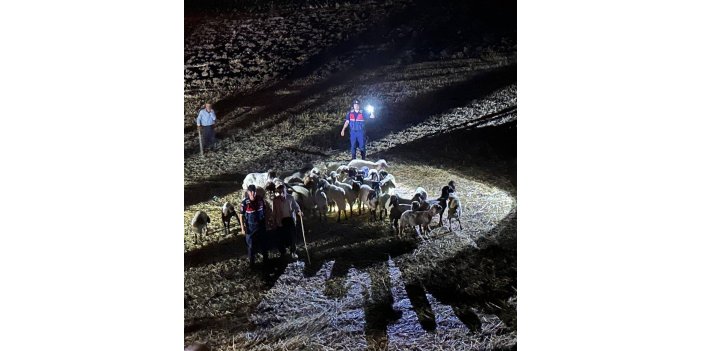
column 369, row 108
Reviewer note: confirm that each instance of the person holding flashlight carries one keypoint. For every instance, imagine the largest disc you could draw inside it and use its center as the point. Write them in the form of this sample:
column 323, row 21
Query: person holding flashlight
column 355, row 120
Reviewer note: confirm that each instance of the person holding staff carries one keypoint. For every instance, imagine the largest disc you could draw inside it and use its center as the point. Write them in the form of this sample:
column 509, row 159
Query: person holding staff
column 205, row 126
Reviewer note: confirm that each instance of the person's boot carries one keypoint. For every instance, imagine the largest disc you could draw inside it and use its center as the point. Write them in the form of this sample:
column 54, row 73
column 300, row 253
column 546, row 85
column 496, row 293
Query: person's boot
column 363, row 155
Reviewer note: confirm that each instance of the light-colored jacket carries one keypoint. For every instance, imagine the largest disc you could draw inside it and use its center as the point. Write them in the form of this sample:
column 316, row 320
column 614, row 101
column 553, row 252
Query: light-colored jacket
column 284, row 206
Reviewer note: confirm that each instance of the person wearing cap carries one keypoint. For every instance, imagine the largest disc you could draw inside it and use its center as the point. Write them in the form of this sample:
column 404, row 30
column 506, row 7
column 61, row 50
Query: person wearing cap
column 284, row 210
column 205, row 124
column 253, row 223
column 355, row 120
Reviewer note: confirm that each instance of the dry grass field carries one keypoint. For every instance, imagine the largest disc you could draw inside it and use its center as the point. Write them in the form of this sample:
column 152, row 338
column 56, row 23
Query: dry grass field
column 442, row 77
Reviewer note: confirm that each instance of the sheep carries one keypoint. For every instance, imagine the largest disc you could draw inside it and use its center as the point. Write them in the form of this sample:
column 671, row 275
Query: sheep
column 396, row 211
column 363, row 192
column 454, row 210
column 419, row 194
column 302, row 196
column 424, row 205
column 258, row 179
column 384, row 204
column 320, row 200
column 417, row 206
column 293, row 179
column 228, row 211
column 337, row 195
column 387, row 186
column 199, row 224
column 442, row 200
column 373, row 175
column 418, row 218
column 311, row 181
column 351, row 194
column 380, row 164
column 372, row 201
column 318, row 171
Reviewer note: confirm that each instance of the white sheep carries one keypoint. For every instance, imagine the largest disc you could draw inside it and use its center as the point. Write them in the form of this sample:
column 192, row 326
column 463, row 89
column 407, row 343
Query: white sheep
column 199, row 224
column 303, row 197
column 258, row 179
column 228, row 211
column 321, row 201
column 454, row 210
column 363, row 192
column 351, row 193
column 380, row 164
column 418, row 218
column 419, row 194
column 336, row 195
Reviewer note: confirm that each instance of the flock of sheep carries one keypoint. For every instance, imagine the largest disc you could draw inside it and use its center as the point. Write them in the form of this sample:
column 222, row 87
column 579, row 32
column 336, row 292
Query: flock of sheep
column 327, row 188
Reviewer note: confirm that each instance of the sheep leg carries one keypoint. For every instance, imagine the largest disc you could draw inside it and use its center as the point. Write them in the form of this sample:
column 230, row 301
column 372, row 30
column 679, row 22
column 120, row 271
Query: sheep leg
column 459, row 223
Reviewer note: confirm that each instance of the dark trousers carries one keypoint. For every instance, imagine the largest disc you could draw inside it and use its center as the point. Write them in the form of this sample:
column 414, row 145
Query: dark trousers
column 208, row 137
column 256, row 244
column 358, row 139
column 286, row 235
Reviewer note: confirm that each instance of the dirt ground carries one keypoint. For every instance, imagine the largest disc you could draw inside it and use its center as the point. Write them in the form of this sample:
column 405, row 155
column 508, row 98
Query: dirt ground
column 441, row 116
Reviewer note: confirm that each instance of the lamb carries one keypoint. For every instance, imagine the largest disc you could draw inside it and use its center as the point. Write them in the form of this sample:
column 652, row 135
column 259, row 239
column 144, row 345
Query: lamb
column 454, row 210
column 351, row 192
column 384, row 204
column 419, row 194
column 400, row 201
column 363, row 192
column 228, row 211
column 396, row 211
column 387, row 184
column 442, row 200
column 258, row 179
column 418, row 218
column 336, row 195
column 380, row 164
column 320, row 201
column 199, row 224
column 372, row 201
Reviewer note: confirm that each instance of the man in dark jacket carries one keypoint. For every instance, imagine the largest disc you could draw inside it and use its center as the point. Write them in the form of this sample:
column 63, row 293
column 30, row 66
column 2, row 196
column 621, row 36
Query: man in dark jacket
column 253, row 221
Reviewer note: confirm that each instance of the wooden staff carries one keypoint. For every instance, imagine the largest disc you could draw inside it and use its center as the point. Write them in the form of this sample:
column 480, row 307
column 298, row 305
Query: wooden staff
column 302, row 224
column 199, row 138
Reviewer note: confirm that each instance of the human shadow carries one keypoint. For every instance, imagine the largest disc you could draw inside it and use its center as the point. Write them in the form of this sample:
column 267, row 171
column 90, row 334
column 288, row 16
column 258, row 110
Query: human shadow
column 484, row 277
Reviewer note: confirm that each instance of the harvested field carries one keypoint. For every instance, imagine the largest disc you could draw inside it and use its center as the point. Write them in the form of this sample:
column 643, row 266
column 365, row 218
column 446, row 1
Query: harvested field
column 441, row 116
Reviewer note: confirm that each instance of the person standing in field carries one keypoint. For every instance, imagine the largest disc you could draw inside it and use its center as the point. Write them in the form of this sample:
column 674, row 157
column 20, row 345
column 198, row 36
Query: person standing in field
column 205, row 125
column 355, row 120
column 253, row 224
column 284, row 210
